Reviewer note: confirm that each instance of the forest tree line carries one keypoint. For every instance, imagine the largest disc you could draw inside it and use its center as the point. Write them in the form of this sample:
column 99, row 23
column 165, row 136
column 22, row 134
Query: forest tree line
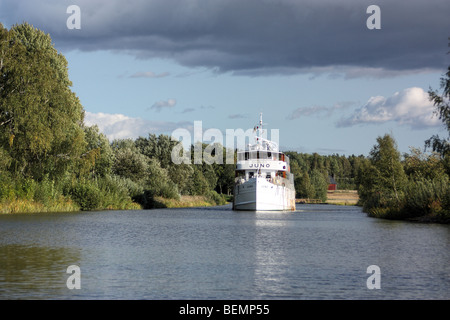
column 51, row 161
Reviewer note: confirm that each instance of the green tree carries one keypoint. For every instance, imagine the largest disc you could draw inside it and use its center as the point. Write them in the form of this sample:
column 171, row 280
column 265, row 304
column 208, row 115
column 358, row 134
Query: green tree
column 98, row 143
column 5, row 161
column 382, row 180
column 158, row 182
column 157, row 147
column 198, row 185
column 367, row 184
column 319, row 184
column 210, row 175
column 442, row 105
column 40, row 117
column 225, row 173
column 303, row 186
column 225, row 179
column 180, row 174
column 130, row 163
column 385, row 157
column 420, row 165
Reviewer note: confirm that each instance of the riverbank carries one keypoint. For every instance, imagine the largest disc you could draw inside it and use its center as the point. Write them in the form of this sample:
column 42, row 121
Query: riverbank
column 337, row 197
column 351, row 198
column 403, row 214
column 187, row 202
column 31, row 206
column 61, row 205
column 67, row 205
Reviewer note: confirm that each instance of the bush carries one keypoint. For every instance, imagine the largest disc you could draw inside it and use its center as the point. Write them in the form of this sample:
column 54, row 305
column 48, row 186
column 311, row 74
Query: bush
column 216, row 198
column 169, row 190
column 7, row 187
column 45, row 191
column 109, row 192
column 445, row 213
column 421, row 197
column 86, row 195
column 425, row 196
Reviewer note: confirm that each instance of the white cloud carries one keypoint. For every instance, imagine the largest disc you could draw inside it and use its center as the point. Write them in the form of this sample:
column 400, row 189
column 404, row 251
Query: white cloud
column 409, row 107
column 119, row 126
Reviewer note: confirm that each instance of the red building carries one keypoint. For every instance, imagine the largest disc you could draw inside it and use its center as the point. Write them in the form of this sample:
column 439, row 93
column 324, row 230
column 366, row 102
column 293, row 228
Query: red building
column 333, row 185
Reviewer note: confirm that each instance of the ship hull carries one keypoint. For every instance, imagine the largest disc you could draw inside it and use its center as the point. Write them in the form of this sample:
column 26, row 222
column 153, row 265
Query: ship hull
column 258, row 194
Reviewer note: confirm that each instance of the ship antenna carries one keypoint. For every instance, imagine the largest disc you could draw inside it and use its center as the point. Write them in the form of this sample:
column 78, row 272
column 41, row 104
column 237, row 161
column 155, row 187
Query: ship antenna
column 261, row 131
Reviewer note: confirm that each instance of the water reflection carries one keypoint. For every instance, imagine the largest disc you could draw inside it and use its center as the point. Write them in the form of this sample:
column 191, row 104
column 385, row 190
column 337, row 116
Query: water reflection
column 272, row 246
column 31, row 272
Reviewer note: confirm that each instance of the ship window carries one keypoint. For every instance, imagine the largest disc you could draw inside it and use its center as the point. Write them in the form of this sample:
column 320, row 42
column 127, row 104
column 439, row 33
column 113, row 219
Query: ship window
column 250, row 174
column 264, row 155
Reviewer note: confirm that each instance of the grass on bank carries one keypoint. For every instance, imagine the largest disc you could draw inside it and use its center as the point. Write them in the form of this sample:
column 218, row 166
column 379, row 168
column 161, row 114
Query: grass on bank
column 108, row 193
column 32, row 206
column 67, row 205
column 336, row 197
column 183, row 202
column 343, row 197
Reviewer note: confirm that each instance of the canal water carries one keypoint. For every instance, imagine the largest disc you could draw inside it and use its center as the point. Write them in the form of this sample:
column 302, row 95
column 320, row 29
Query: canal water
column 316, row 252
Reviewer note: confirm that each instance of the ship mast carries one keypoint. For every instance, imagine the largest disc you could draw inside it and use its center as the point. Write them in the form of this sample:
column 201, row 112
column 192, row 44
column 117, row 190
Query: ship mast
column 260, row 121
column 262, row 143
column 259, row 132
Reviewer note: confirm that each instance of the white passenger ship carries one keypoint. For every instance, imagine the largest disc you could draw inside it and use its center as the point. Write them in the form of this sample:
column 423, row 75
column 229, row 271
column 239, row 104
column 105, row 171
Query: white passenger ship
column 263, row 179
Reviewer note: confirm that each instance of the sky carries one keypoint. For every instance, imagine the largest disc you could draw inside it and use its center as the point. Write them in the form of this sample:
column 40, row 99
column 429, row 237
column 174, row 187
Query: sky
column 317, row 70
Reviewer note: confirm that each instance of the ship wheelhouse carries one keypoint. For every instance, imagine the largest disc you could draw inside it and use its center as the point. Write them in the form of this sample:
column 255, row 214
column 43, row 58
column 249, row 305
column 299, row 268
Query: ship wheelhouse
column 272, row 165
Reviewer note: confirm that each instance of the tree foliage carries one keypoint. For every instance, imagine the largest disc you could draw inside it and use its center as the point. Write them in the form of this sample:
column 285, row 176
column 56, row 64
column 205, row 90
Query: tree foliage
column 382, row 180
column 397, row 189
column 312, row 173
column 441, row 102
column 40, row 117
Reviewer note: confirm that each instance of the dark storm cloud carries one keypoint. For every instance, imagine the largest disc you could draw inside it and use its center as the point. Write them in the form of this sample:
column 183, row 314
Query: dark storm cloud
column 253, row 36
